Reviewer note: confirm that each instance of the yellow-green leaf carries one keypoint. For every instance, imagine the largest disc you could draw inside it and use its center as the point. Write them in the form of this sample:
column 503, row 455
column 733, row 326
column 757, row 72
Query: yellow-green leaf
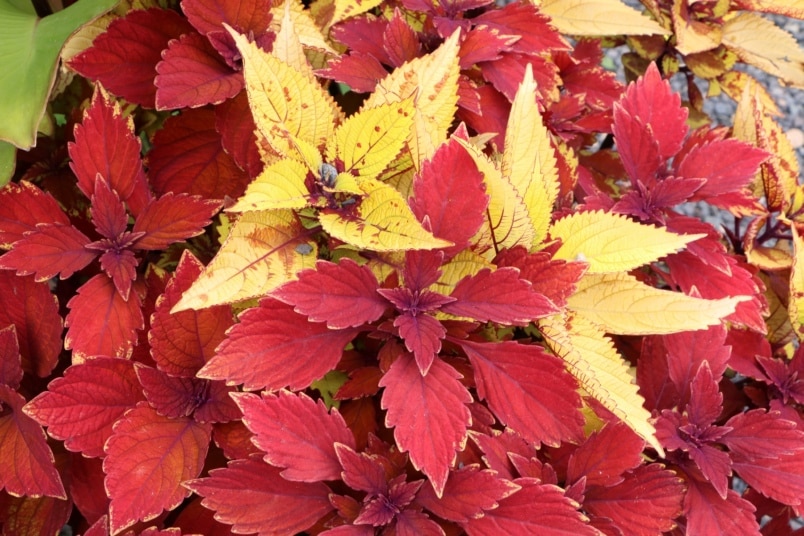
column 382, row 221
column 284, row 101
column 528, row 159
column 264, row 249
column 591, row 357
column 795, row 308
column 613, row 243
column 622, row 305
column 598, row 17
column 372, row 138
column 280, row 185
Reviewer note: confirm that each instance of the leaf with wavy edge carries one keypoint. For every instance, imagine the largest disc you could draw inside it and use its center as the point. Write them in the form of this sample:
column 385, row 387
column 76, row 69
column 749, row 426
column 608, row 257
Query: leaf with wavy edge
column 620, row 304
column 613, row 243
column 263, row 250
column 598, row 17
column 591, row 357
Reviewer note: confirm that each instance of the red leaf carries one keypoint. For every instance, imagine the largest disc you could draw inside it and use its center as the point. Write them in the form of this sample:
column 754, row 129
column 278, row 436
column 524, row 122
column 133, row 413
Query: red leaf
column 435, row 402
column 124, row 58
column 422, row 335
column 400, row 41
column 50, row 250
column 105, row 146
column 364, row 35
column 192, row 74
column 449, row 190
column 343, row 295
column 173, row 218
column 296, row 434
column 498, row 448
column 34, row 311
column 86, row 487
column 760, row 434
column 108, row 211
column 647, row 501
column 235, row 123
column 362, row 471
column 23, row 207
column 101, row 322
column 234, row 439
column 273, row 347
column 498, row 296
column 507, row 72
column 537, row 508
column 533, row 29
column 252, row 496
column 148, row 457
column 178, row 397
column 708, row 513
column 10, row 361
column 360, row 71
column 652, row 103
column 734, row 170
column 553, row 278
column 187, row 157
column 27, row 466
column 468, row 493
column 183, row 342
column 244, row 16
column 80, row 407
column 637, row 147
column 410, row 522
column 483, row 44
column 780, row 478
column 605, row 456
column 527, row 389
column 121, row 267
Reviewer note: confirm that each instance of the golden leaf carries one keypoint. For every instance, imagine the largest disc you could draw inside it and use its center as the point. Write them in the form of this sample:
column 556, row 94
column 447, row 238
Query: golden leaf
column 791, row 8
column 598, row 17
column 264, row 249
column 795, row 308
column 464, row 264
column 591, row 357
column 307, row 30
column 612, row 242
column 287, row 47
column 280, row 185
column 692, row 35
column 622, row 305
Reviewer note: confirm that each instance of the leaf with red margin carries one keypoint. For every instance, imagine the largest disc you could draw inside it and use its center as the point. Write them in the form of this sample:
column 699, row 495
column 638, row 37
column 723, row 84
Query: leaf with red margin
column 708, row 513
column 646, row 501
column 253, row 497
column 296, row 433
column 23, row 207
column 343, row 295
column 27, row 466
column 34, row 311
column 10, row 361
column 101, row 322
column 234, row 122
column 651, row 102
column 273, row 347
column 148, row 457
column 435, row 402
column 245, row 16
column 553, row 278
column 187, row 157
column 536, row 508
column 449, row 190
column 173, row 218
column 362, row 471
column 105, row 145
column 35, row 515
column 499, row 296
column 606, row 455
column 527, row 389
column 80, row 407
column 177, row 397
column 124, row 58
column 422, row 335
column 193, row 74
column 183, row 342
column 50, row 250
column 468, row 493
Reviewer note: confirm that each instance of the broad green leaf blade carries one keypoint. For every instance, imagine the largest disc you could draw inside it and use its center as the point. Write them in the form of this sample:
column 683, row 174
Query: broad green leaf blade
column 613, row 243
column 591, row 357
column 280, row 185
column 381, row 222
column 598, row 17
column 29, row 54
column 529, row 162
column 622, row 305
column 263, row 250
column 8, row 162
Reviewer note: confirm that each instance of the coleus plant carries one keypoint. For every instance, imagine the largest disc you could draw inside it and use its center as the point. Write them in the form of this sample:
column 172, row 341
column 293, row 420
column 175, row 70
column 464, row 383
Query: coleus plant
column 440, row 307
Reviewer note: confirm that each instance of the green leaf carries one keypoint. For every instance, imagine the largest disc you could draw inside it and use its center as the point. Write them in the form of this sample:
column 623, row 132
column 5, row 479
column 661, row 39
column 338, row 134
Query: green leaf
column 8, row 155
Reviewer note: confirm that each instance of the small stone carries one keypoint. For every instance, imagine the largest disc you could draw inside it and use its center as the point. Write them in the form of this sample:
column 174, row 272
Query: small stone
column 796, row 137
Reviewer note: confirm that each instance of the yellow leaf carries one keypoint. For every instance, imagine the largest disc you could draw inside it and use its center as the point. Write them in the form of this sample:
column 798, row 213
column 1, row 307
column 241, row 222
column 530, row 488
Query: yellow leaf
column 795, row 309
column 791, row 8
column 733, row 83
column 622, row 305
column 284, row 101
column 591, row 357
column 434, row 81
column 351, row 8
column 264, row 249
column 372, row 138
column 598, row 17
column 287, row 47
column 612, row 242
column 528, row 161
column 463, row 264
column 507, row 223
column 693, row 36
column 308, row 31
column 382, row 221
column 280, row 185
column 759, row 42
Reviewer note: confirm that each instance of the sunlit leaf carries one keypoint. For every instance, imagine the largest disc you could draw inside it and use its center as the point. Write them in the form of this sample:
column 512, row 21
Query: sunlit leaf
column 598, row 18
